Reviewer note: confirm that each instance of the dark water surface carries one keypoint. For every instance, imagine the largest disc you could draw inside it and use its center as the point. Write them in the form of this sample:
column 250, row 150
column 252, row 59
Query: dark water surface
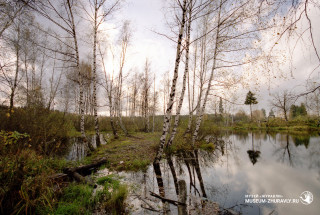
column 256, row 164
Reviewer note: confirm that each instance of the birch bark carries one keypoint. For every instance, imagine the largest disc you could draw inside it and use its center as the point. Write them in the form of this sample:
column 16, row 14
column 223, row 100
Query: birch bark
column 94, row 75
column 80, row 78
column 167, row 116
column 186, row 70
column 202, row 108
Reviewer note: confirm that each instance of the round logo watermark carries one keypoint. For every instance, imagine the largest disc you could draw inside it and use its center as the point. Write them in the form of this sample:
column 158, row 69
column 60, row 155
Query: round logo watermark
column 306, row 197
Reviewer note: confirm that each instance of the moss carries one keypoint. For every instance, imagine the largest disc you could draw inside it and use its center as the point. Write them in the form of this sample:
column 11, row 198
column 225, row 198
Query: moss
column 139, row 164
column 105, row 179
column 132, row 153
column 207, row 146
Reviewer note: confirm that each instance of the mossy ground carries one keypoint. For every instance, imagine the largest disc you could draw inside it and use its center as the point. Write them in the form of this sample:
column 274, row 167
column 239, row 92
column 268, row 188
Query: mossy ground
column 81, row 198
column 131, row 153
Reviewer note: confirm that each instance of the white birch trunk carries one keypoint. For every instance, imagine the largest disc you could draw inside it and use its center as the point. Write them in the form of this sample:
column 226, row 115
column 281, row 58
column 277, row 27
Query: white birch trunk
column 176, row 120
column 94, row 76
column 80, row 78
column 202, row 108
column 15, row 82
column 125, row 41
column 167, row 116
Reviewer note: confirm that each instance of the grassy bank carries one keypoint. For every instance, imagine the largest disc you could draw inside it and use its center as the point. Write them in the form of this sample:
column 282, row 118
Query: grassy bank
column 27, row 185
column 84, row 199
column 128, row 153
column 213, row 124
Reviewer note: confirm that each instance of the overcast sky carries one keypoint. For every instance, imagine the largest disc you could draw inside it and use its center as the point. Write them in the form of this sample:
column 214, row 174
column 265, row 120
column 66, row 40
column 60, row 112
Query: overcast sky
column 289, row 74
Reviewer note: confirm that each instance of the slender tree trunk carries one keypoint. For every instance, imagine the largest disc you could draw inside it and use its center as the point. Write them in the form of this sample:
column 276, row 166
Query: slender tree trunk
column 146, row 98
column 285, row 114
column 122, row 60
column 250, row 112
column 27, row 78
column 203, row 68
column 80, row 78
column 51, row 84
column 191, row 100
column 201, row 110
column 167, row 116
column 134, row 97
column 164, row 100
column 154, row 102
column 176, row 120
column 109, row 89
column 94, row 77
column 123, row 128
column 15, row 82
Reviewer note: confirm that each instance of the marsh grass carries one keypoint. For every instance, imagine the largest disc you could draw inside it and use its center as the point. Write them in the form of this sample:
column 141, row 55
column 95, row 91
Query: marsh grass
column 25, row 182
column 76, row 199
column 207, row 147
column 114, row 194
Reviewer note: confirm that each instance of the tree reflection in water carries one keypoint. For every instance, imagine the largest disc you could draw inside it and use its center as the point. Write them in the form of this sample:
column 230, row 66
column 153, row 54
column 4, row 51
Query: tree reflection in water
column 253, row 154
column 285, row 150
column 226, row 175
column 197, row 200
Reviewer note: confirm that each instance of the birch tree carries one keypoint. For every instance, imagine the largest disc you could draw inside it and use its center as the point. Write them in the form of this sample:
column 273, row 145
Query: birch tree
column 186, row 70
column 146, row 96
column 13, row 41
column 125, row 37
column 62, row 14
column 154, row 107
column 13, row 81
column 167, row 117
column 54, row 85
column 231, row 43
column 201, row 109
column 199, row 71
column 134, row 88
column 110, row 89
column 97, row 18
column 191, row 91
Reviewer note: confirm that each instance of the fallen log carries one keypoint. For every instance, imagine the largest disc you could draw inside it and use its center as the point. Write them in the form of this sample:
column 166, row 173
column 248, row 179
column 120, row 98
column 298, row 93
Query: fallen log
column 79, row 177
column 78, row 173
column 174, row 202
column 59, row 177
column 86, row 169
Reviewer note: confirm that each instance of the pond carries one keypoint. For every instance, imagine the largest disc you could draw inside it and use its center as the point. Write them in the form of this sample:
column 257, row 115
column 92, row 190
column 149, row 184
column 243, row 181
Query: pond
column 247, row 173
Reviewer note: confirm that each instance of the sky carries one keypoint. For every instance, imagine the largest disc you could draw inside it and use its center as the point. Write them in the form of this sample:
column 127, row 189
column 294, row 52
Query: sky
column 149, row 16
column 146, row 16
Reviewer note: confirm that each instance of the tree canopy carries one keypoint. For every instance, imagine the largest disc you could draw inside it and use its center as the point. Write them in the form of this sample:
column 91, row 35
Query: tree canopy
column 250, row 99
column 296, row 110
